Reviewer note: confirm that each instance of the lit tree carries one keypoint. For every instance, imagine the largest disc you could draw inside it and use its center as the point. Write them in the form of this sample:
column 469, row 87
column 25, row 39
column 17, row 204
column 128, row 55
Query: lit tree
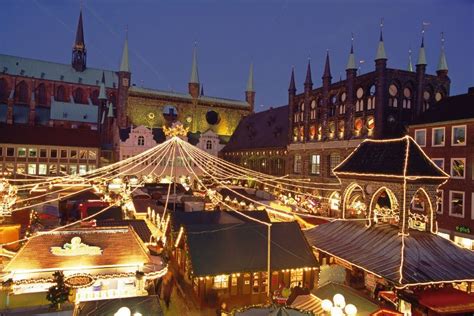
column 58, row 293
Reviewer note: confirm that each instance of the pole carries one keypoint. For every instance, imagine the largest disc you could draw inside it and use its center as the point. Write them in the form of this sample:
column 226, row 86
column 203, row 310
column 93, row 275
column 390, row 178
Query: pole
column 268, row 261
column 174, row 181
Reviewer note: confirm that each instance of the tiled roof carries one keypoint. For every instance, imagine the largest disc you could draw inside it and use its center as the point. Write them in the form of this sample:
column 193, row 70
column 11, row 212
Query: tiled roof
column 28, row 67
column 233, row 248
column 266, row 129
column 120, row 246
column 187, row 96
column 138, row 225
column 42, row 135
column 65, row 111
column 458, row 107
column 389, row 158
column 427, row 257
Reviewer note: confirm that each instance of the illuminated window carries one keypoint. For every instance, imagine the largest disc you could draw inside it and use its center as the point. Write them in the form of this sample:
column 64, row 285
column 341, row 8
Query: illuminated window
column 32, row 152
column 72, row 169
column 42, row 169
column 315, row 164
column 407, row 96
column 141, row 141
column 420, row 137
column 296, row 278
column 359, row 102
column 438, row 136
column 32, row 168
column 456, row 203
column 393, row 99
column 82, row 154
column 82, row 169
column 92, row 155
column 221, row 282
column 297, row 166
column 73, row 154
column 458, row 135
column 62, row 169
column 22, row 152
column 426, row 100
column 256, row 284
column 312, row 113
column 458, row 168
column 371, row 98
column 21, row 168
column 53, row 169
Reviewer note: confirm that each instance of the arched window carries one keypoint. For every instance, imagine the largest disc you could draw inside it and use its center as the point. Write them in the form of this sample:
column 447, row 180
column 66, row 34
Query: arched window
column 407, row 98
column 209, row 144
column 312, row 113
column 79, row 96
column 393, row 98
column 360, row 101
column 427, row 96
column 22, row 92
column 371, row 98
column 141, row 141
column 61, row 94
column 41, row 94
column 342, row 103
column 3, row 90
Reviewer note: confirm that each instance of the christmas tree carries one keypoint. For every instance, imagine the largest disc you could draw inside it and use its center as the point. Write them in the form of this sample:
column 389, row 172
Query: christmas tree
column 58, row 293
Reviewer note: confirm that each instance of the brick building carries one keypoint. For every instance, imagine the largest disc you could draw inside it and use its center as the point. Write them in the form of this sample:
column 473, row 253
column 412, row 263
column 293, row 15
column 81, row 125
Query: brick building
column 327, row 123
column 446, row 133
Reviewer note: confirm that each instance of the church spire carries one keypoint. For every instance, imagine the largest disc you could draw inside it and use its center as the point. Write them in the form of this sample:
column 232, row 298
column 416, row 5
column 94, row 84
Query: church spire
column 442, row 64
column 124, row 64
column 351, row 64
column 292, row 87
column 102, row 92
column 381, row 47
column 79, row 52
column 194, row 67
column 308, row 81
column 410, row 64
column 250, row 86
column 422, row 53
column 327, row 67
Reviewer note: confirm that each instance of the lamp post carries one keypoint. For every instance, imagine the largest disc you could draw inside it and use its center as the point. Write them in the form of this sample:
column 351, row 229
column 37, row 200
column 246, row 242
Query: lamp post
column 338, row 306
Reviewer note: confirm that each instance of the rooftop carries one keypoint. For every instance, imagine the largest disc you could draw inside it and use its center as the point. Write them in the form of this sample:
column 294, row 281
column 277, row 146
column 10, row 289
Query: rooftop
column 427, row 257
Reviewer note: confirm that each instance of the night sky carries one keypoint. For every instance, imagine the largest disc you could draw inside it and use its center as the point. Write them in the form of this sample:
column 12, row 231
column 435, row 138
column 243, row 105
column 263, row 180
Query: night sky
column 274, row 35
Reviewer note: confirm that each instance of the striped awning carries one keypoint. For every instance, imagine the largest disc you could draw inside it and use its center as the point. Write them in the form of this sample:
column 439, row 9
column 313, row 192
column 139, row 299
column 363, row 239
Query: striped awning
column 308, row 303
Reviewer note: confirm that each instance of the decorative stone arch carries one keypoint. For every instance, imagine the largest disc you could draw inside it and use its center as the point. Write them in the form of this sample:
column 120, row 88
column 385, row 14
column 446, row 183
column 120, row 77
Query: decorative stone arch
column 394, row 205
column 429, row 199
column 334, row 201
column 347, row 194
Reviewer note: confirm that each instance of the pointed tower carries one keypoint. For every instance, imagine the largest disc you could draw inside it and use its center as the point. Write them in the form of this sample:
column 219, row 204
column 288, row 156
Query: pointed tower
column 410, row 64
column 193, row 85
column 250, row 90
column 327, row 69
column 442, row 70
column 351, row 74
column 380, row 96
column 124, row 75
column 308, row 83
column 291, row 103
column 420, row 75
column 79, row 52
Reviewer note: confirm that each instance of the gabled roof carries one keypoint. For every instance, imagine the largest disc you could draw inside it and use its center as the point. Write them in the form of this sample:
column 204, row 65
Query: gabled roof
column 66, row 111
column 139, row 226
column 266, row 129
column 458, row 107
column 235, row 248
column 158, row 134
column 120, row 246
column 28, row 67
column 427, row 257
column 389, row 158
column 42, row 135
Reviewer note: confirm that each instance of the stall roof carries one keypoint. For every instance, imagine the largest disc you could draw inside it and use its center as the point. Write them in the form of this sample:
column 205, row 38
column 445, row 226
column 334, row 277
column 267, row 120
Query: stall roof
column 447, row 300
column 145, row 305
column 427, row 258
column 233, row 248
column 389, row 158
column 139, row 226
column 119, row 245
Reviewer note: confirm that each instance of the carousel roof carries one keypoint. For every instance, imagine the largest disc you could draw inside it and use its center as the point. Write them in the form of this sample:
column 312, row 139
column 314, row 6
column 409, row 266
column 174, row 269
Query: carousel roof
column 400, row 157
column 99, row 247
column 427, row 258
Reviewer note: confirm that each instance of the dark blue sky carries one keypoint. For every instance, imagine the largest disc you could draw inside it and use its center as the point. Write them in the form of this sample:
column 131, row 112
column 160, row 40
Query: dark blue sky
column 273, row 34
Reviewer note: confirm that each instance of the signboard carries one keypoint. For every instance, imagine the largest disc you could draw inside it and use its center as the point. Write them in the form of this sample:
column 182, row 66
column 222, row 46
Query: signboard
column 79, row 281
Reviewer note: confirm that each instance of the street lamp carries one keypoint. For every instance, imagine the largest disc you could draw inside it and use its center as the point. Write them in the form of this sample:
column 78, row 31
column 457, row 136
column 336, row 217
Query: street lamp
column 338, row 307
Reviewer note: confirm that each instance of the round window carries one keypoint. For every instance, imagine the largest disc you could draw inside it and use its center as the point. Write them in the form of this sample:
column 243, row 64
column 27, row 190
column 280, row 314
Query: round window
column 333, row 99
column 407, row 93
column 426, row 95
column 212, row 117
column 313, row 104
column 393, row 90
column 360, row 93
column 343, row 97
column 438, row 96
column 358, row 124
column 372, row 90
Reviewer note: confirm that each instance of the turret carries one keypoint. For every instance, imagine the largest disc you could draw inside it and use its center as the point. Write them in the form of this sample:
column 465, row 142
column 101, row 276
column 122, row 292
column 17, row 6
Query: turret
column 193, row 85
column 291, row 103
column 79, row 52
column 442, row 70
column 420, row 75
column 124, row 75
column 351, row 73
column 326, row 83
column 250, row 90
column 410, row 64
column 380, row 69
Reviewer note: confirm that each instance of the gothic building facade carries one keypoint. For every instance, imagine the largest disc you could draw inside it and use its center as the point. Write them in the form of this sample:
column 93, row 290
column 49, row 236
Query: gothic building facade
column 327, row 123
